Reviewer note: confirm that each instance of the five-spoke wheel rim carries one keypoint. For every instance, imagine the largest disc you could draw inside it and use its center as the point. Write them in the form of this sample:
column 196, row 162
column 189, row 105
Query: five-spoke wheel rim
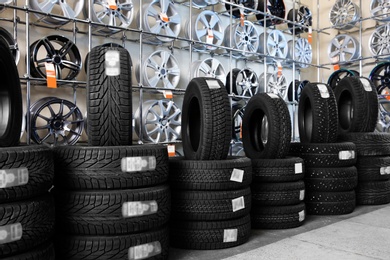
column 67, row 8
column 343, row 48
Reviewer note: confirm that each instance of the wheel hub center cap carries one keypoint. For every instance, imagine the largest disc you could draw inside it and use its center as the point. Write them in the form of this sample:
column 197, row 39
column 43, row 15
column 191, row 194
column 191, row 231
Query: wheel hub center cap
column 57, row 124
column 164, row 122
column 57, row 59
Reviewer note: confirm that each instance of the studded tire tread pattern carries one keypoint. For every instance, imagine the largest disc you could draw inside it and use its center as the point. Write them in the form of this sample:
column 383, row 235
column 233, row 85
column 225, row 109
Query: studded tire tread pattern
column 278, row 170
column 331, row 179
column 278, row 194
column 330, row 203
column 369, row 144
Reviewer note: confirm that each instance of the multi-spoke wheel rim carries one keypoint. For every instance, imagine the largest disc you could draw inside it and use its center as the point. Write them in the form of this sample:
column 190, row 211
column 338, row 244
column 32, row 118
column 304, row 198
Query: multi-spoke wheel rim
column 209, row 67
column 161, row 17
column 344, row 14
column 160, row 122
column 13, row 45
column 245, row 38
column 67, row 8
column 303, row 52
column 343, row 48
column 383, row 124
column 379, row 42
column 303, row 17
column 380, row 76
column 245, row 83
column 276, row 44
column 207, row 28
column 338, row 75
column 55, row 122
column 380, row 10
column 119, row 15
column 251, row 4
column 274, row 7
column 276, row 84
column 160, row 70
column 59, row 51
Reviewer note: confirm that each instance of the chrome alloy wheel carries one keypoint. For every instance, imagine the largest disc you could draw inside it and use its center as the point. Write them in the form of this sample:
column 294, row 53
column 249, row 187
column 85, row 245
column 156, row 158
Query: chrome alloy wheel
column 276, row 44
column 66, row 8
column 244, row 38
column 344, row 48
column 380, row 10
column 209, row 67
column 276, row 84
column 379, row 42
column 303, row 52
column 344, row 14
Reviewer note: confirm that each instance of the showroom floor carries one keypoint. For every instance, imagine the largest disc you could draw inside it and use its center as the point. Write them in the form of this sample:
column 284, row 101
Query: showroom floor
column 363, row 234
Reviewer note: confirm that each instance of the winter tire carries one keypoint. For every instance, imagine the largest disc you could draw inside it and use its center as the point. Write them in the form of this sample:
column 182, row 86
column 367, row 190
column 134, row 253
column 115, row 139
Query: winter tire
column 206, row 120
column 330, row 203
column 278, row 170
column 373, row 193
column 99, row 168
column 331, row 179
column 317, row 114
column 44, row 252
column 369, row 144
column 266, row 127
column 278, row 194
column 11, row 108
column 230, row 174
column 373, row 168
column 109, row 103
column 210, row 235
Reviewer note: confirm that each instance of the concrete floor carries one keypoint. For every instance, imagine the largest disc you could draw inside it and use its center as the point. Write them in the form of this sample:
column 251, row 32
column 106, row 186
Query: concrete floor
column 363, row 234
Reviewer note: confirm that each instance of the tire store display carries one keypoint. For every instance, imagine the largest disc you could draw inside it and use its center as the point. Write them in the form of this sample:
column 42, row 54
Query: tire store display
column 378, row 43
column 276, row 84
column 343, row 48
column 245, row 38
column 244, row 83
column 276, row 45
column 300, row 51
column 338, row 75
column 301, row 16
column 209, row 67
column 111, row 195
column 26, row 207
column 67, row 9
column 275, row 8
column 344, row 14
column 211, row 198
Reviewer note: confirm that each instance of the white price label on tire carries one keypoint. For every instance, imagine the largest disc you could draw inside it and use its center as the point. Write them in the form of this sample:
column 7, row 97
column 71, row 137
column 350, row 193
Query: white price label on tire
column 346, row 155
column 385, row 170
column 302, row 216
column 145, row 251
column 238, row 204
column 237, row 175
column 112, row 63
column 302, row 195
column 13, row 177
column 139, row 208
column 138, row 164
column 213, row 84
column 366, row 84
column 298, row 168
column 324, row 92
column 10, row 233
column 230, row 235
column 271, row 95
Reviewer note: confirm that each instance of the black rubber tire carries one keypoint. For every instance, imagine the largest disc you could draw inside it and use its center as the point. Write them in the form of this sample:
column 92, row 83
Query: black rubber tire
column 373, row 105
column 278, row 217
column 109, row 100
column 278, row 194
column 38, row 161
column 325, row 155
column 109, row 44
column 352, row 104
column 206, row 120
column 101, row 212
column 11, row 107
column 338, row 75
column 44, row 252
column 330, row 203
column 373, row 168
column 278, row 170
column 109, row 247
column 373, row 193
column 209, row 235
column 88, row 167
column 210, row 205
column 369, row 144
column 231, row 174
column 37, row 220
column 317, row 116
column 272, row 107
column 331, row 179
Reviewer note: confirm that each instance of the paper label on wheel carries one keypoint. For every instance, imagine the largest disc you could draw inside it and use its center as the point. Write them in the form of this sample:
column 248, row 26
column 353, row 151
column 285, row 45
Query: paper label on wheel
column 385, row 170
column 13, row 177
column 145, row 251
column 237, row 175
column 302, row 216
column 112, row 63
column 271, row 95
column 171, row 150
column 167, row 93
column 324, row 92
column 213, row 84
column 238, row 204
column 138, row 164
column 51, row 77
column 298, row 168
column 230, row 235
column 346, row 155
column 210, row 36
column 302, row 195
column 310, row 35
column 10, row 233
column 139, row 208
column 366, row 84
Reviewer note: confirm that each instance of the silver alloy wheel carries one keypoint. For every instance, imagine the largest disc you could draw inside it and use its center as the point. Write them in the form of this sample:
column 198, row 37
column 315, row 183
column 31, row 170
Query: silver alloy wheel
column 160, row 70
column 237, row 149
column 160, row 17
column 206, row 28
column 67, row 8
column 379, row 42
column 246, row 82
column 383, row 124
column 160, row 121
column 120, row 15
column 345, row 47
column 303, row 52
column 55, row 122
column 209, row 67
column 276, row 44
column 13, row 45
column 244, row 38
column 344, row 14
column 380, row 10
column 274, row 84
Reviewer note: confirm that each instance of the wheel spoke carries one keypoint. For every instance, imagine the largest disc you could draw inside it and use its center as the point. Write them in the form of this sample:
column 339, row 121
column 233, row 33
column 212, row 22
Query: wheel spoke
column 67, row 10
column 46, row 6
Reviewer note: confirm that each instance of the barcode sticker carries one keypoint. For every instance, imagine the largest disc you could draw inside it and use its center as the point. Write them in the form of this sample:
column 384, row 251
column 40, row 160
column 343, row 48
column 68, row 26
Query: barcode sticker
column 230, row 235
column 138, row 164
column 139, row 208
column 13, row 177
column 238, row 204
column 144, row 251
column 237, row 175
column 10, row 233
column 298, row 168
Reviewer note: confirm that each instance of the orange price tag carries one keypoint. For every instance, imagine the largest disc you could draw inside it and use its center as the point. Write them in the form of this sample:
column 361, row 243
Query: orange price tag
column 336, row 65
column 240, row 130
column 112, row 5
column 51, row 78
column 210, row 36
column 164, row 17
column 387, row 95
column 242, row 19
column 168, row 94
column 280, row 69
column 171, row 150
column 310, row 35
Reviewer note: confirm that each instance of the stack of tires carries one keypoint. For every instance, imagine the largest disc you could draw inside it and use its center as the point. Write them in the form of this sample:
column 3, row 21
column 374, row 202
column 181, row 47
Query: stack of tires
column 112, row 199
column 330, row 176
column 278, row 189
column 211, row 198
column 26, row 176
